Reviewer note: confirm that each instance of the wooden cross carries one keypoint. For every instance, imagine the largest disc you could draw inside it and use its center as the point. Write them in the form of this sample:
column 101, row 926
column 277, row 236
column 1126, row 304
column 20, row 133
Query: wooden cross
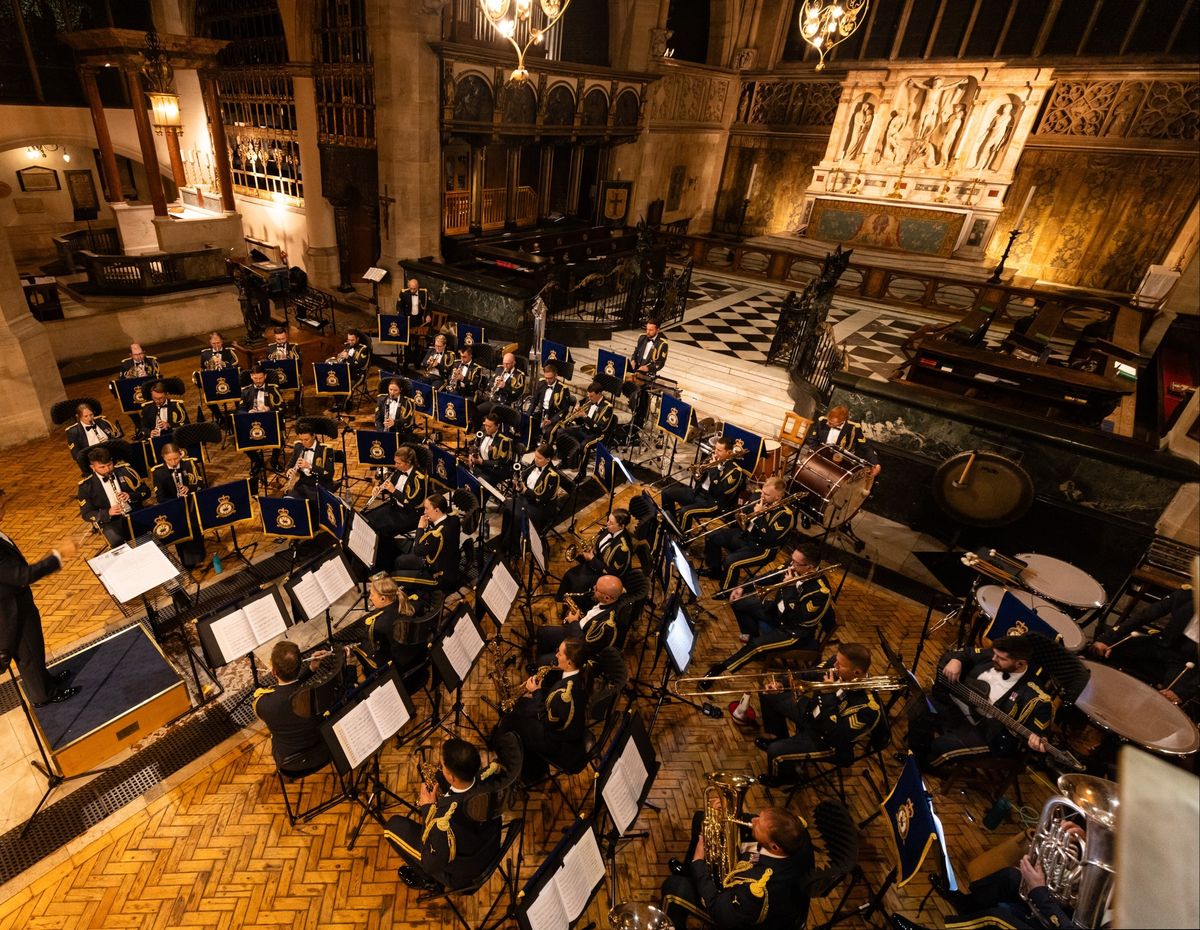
column 385, row 212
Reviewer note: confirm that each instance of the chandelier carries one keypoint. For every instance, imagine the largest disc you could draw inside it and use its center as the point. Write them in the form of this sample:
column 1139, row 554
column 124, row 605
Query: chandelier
column 520, row 23
column 826, row 23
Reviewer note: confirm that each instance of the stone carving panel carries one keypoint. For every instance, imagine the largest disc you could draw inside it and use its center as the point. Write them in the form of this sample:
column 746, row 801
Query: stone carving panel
column 1168, row 110
column 788, row 104
column 682, row 97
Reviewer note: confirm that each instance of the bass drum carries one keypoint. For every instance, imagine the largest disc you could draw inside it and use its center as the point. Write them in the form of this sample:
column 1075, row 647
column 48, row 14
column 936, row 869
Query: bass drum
column 983, row 488
column 837, row 481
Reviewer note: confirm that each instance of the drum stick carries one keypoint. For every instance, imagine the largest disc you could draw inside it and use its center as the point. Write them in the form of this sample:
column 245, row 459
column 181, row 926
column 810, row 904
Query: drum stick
column 1134, row 635
column 1187, row 668
column 962, row 479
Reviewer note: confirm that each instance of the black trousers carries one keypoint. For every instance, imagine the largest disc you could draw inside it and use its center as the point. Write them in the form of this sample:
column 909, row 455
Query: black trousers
column 679, row 891
column 31, row 653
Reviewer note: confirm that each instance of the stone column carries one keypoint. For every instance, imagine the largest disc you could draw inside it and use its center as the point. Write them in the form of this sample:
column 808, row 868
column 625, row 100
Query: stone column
column 475, row 222
column 321, row 252
column 574, row 179
column 108, row 158
column 141, row 120
column 212, row 103
column 177, row 172
column 545, row 180
column 512, row 179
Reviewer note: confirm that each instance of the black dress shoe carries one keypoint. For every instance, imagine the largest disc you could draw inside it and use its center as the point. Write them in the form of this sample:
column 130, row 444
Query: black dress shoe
column 763, row 742
column 676, row 867
column 63, row 694
column 773, row 781
column 415, row 879
column 5, row 661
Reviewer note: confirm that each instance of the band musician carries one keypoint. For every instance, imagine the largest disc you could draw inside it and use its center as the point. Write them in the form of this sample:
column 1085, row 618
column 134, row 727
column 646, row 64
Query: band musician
column 507, row 386
column 161, row 414
column 549, row 403
column 21, row 635
column 755, row 544
column 177, row 476
column 1003, row 674
column 765, row 888
column 292, row 735
column 1156, row 644
column 413, row 302
column 260, row 396
column 1013, row 898
column 719, row 482
column 457, row 832
column 356, row 353
column 311, row 465
column 551, row 716
column 611, row 553
column 394, row 411
column 389, row 608
column 591, row 420
column 597, row 627
column 281, row 349
column 466, row 378
column 217, row 356
column 828, row 724
column 799, row 615
column 535, row 494
column 435, row 368
column 435, row 551
column 494, row 457
column 404, row 490
column 835, row 429
column 110, row 492
column 138, row 364
column 648, row 358
column 90, row 431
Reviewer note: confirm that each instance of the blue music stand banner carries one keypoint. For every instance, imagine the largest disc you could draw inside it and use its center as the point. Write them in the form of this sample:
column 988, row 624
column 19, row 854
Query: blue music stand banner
column 287, row 516
column 555, row 352
column 332, row 513
column 391, row 329
column 223, row 386
column 257, row 430
column 469, row 334
column 752, row 442
column 223, row 504
column 168, row 522
column 675, row 417
column 1015, row 619
column 468, row 482
column 611, row 365
column 910, row 816
column 525, row 431
column 453, row 410
column 283, row 373
column 604, row 470
column 422, row 397
column 376, row 448
column 386, row 376
column 130, row 394
column 445, row 466
column 331, row 379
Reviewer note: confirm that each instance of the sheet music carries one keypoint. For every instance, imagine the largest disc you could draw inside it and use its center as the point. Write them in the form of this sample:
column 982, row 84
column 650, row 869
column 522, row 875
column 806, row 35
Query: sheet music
column 265, row 618
column 624, row 786
column 581, row 871
column 362, row 539
column 536, row 545
column 307, row 591
column 357, row 734
column 334, row 579
column 462, row 646
column 546, row 912
column 500, row 592
column 135, row 571
column 233, row 635
column 387, row 710
column 490, row 488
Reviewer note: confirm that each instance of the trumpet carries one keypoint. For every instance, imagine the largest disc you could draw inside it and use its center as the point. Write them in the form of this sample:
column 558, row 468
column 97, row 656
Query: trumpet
column 763, row 682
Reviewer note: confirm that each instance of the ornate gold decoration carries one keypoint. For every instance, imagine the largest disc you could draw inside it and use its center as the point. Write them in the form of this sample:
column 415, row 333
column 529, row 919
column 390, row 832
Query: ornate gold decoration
column 826, row 23
column 521, row 24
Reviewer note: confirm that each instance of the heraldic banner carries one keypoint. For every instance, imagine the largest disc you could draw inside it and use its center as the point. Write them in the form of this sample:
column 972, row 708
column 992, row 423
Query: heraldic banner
column 168, row 522
column 287, row 516
column 376, row 448
column 223, row 504
column 131, row 393
column 751, row 442
column 469, row 334
column 284, row 373
column 674, row 416
column 154, row 449
column 422, row 397
column 910, row 815
column 223, row 386
column 611, row 365
column 392, row 329
column 331, row 378
column 444, row 469
column 452, row 410
column 556, row 352
column 331, row 513
column 257, row 430
column 604, row 469
column 1016, row 619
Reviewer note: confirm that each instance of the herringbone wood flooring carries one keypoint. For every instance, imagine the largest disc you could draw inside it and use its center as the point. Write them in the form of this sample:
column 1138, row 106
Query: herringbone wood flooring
column 213, row 847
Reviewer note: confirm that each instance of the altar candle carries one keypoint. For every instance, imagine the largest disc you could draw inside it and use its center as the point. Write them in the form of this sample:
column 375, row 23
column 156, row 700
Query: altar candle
column 1024, row 207
column 753, row 174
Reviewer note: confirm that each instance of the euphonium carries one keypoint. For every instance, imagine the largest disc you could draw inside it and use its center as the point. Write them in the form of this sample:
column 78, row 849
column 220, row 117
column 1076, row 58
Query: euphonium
column 215, row 362
column 723, row 799
column 1079, row 870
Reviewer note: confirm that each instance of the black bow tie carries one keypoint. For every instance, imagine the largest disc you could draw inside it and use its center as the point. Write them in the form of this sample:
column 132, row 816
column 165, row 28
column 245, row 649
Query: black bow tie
column 1005, row 676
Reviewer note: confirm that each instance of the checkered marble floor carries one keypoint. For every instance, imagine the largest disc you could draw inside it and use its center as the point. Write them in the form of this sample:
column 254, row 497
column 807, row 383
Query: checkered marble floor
column 739, row 319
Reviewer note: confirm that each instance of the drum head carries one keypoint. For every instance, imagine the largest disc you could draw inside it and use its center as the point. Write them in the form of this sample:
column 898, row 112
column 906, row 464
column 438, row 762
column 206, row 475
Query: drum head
column 982, row 488
column 1061, row 581
column 989, row 596
column 1134, row 710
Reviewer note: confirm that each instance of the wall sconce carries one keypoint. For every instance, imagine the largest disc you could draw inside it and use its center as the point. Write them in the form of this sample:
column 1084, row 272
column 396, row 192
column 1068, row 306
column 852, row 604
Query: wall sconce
column 164, row 112
column 41, row 151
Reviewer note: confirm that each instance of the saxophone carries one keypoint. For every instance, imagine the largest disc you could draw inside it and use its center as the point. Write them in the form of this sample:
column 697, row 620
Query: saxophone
column 723, row 799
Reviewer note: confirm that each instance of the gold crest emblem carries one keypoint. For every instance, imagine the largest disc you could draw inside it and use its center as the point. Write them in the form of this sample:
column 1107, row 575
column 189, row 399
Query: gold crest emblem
column 610, row 368
column 284, row 520
column 468, row 338
column 376, row 450
column 256, row 431
column 330, row 516
column 673, row 418
column 449, row 415
column 602, row 469
column 394, row 329
column 225, row 507
column 1020, row 628
column 418, row 398
column 331, row 379
column 440, row 468
column 162, row 527
column 222, row 386
column 552, row 356
column 137, row 395
column 904, row 819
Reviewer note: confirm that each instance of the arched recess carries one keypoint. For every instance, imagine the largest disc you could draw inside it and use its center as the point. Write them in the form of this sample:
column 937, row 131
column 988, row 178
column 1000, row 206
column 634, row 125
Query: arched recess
column 473, row 100
column 560, row 105
column 595, row 108
column 626, row 111
column 518, row 105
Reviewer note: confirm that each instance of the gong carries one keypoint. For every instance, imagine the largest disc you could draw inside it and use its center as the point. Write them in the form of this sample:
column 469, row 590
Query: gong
column 982, row 488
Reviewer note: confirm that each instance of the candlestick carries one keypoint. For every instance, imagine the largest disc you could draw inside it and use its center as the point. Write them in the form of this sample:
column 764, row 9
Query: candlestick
column 1024, row 207
column 753, row 174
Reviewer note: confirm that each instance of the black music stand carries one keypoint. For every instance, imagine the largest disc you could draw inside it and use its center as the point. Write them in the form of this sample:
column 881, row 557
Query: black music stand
column 959, row 581
column 238, row 634
column 583, row 873
column 318, row 584
column 677, row 638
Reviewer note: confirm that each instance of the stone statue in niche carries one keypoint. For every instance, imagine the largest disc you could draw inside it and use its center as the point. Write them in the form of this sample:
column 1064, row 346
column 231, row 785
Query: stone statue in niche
column 889, row 146
column 938, row 98
column 860, row 127
column 951, row 132
column 995, row 139
column 658, row 41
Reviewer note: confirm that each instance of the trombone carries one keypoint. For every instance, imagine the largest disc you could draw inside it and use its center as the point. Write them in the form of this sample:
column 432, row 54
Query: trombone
column 761, row 589
column 737, row 513
column 763, row 682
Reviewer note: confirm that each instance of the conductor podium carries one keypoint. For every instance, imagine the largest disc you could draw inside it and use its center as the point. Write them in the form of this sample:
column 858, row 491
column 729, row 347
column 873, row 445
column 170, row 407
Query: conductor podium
column 127, row 690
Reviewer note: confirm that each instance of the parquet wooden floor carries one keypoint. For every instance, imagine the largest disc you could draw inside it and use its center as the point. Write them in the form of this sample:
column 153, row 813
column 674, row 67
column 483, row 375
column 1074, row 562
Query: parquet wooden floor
column 212, row 846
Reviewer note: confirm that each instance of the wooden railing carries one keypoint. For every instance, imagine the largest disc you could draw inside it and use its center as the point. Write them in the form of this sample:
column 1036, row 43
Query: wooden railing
column 103, row 240
column 156, row 273
column 456, row 209
column 935, row 294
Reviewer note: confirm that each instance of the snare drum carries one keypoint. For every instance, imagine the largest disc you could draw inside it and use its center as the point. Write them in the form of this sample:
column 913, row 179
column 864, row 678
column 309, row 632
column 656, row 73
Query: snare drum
column 768, row 461
column 1060, row 581
column 838, row 480
column 1135, row 711
column 989, row 597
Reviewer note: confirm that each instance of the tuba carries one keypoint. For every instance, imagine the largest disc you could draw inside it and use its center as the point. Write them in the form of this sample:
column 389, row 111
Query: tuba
column 1079, row 870
column 723, row 799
